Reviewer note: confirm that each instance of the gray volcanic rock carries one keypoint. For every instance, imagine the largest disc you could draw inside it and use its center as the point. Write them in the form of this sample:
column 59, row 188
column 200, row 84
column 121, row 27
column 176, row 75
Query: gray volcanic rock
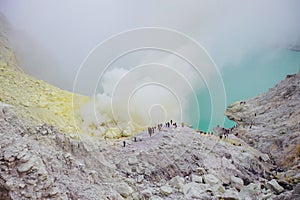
column 275, row 186
column 170, row 164
column 270, row 123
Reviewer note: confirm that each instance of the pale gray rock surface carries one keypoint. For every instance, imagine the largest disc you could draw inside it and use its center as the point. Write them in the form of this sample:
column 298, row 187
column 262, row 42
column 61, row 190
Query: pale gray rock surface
column 210, row 179
column 272, row 184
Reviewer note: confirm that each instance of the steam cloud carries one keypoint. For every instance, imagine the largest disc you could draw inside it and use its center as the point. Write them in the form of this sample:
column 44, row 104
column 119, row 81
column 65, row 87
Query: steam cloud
column 54, row 37
column 68, row 30
column 158, row 83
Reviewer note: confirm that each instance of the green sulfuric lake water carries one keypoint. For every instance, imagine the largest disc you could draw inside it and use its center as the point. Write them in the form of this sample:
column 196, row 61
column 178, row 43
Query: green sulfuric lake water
column 255, row 73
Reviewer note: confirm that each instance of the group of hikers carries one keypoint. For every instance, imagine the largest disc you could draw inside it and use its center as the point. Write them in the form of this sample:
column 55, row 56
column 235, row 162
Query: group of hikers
column 151, row 130
column 168, row 124
column 225, row 133
column 222, row 133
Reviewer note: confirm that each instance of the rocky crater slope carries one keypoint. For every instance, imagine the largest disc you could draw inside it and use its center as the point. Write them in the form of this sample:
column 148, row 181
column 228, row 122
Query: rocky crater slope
column 39, row 162
column 271, row 123
column 34, row 99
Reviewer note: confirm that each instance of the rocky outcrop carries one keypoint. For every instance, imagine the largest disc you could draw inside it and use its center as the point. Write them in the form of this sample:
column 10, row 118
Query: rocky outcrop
column 270, row 123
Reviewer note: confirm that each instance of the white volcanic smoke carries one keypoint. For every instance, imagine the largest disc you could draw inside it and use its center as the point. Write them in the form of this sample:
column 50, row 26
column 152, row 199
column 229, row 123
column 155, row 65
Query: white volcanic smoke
column 131, row 97
column 159, row 82
column 59, row 34
column 51, row 38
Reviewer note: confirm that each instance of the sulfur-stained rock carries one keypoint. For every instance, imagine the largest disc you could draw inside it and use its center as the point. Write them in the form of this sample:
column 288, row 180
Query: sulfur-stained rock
column 201, row 170
column 127, row 132
column 113, row 133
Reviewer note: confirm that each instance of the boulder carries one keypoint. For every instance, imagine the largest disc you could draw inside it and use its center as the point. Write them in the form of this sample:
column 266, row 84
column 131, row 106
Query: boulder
column 250, row 191
column 265, row 157
column 166, row 190
column 273, row 185
column 132, row 160
column 140, row 178
column 113, row 132
column 230, row 195
column 210, row 179
column 177, row 182
column 147, row 193
column 194, row 190
column 296, row 192
column 196, row 178
column 123, row 189
column 236, row 182
column 127, row 132
column 218, row 189
column 26, row 166
column 155, row 198
column 200, row 170
column 264, row 196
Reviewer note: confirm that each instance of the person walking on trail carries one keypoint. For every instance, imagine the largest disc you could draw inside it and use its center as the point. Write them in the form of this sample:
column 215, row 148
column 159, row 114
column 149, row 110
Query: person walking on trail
column 150, row 131
column 168, row 124
column 175, row 125
column 226, row 133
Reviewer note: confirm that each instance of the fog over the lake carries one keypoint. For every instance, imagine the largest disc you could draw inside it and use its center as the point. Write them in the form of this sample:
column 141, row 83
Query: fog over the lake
column 53, row 38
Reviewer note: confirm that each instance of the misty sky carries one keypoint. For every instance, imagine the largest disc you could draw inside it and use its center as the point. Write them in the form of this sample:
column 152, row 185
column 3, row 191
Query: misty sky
column 53, row 37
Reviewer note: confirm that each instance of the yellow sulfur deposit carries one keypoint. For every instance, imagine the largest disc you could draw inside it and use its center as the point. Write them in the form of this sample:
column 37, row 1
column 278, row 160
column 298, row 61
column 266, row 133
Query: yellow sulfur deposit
column 39, row 101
